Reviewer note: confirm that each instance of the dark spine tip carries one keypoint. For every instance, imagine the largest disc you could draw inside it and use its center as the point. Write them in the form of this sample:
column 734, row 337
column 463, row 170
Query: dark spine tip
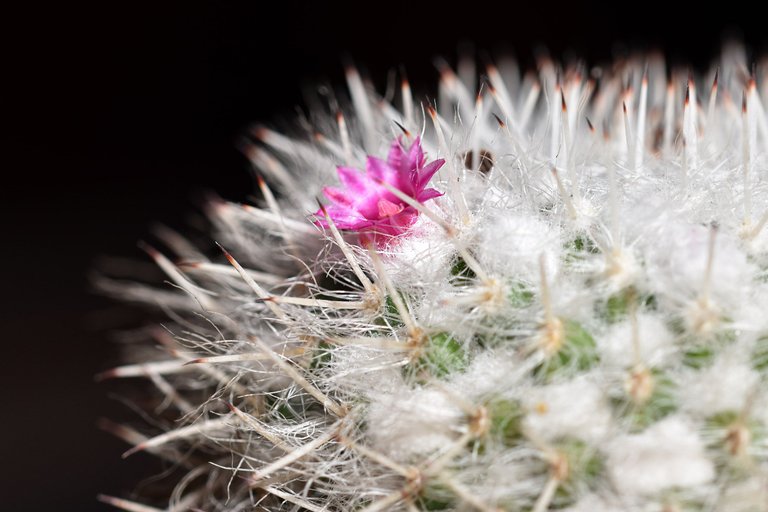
column 135, row 449
column 151, row 251
column 227, row 255
column 105, row 375
column 402, row 128
column 259, row 132
column 403, row 76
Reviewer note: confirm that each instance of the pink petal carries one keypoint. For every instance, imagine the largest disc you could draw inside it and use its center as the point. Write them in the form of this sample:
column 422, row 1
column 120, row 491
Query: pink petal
column 396, row 154
column 388, row 208
column 338, row 196
column 427, row 194
column 353, row 179
column 383, row 172
column 380, row 170
column 343, row 218
column 427, row 172
column 404, row 219
column 415, row 154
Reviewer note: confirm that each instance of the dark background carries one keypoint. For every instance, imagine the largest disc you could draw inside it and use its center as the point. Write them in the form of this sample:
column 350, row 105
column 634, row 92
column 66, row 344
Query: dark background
column 116, row 113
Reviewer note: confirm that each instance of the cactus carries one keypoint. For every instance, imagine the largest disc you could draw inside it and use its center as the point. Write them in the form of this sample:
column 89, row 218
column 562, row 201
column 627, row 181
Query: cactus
column 571, row 317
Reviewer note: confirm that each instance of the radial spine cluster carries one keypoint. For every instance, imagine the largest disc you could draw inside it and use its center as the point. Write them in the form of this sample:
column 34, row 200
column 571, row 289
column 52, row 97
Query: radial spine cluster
column 571, row 317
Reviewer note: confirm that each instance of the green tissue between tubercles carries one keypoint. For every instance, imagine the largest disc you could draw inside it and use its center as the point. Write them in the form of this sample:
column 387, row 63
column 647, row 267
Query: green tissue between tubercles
column 760, row 355
column 520, row 296
column 442, row 356
column 584, row 467
column 661, row 402
column 577, row 353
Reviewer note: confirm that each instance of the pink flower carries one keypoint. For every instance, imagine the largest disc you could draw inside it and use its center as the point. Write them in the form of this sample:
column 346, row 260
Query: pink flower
column 366, row 206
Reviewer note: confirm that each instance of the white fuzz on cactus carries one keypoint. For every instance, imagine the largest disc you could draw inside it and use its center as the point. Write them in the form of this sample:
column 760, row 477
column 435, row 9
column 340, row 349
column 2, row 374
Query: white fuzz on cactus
column 544, row 292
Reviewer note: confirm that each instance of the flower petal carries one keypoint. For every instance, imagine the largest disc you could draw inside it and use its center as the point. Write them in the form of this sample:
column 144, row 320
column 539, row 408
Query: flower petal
column 415, row 154
column 380, row 170
column 353, row 179
column 338, row 196
column 396, row 156
column 388, row 208
column 427, row 194
column 427, row 172
column 346, row 218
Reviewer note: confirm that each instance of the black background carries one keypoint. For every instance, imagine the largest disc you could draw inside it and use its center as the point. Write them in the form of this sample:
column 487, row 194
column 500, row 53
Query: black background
column 116, row 113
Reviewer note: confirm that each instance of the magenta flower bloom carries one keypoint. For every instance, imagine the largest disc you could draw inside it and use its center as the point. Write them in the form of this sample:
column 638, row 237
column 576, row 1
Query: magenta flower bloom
column 366, row 206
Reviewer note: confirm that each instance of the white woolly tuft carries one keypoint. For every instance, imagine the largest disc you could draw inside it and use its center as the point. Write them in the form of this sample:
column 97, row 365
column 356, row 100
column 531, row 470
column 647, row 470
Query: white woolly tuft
column 666, row 455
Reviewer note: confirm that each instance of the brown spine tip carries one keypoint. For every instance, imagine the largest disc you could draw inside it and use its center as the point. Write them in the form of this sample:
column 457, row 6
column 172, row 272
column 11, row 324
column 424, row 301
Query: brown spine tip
column 105, row 375
column 144, row 246
column 717, row 76
column 229, row 257
column 624, row 106
column 259, row 132
column 112, row 428
column 194, row 361
column 246, row 148
column 138, row 448
column 402, row 128
column 744, row 102
column 432, row 112
column 563, row 106
column 589, row 124
column 109, row 500
column 687, row 95
column 403, row 77
column 500, row 121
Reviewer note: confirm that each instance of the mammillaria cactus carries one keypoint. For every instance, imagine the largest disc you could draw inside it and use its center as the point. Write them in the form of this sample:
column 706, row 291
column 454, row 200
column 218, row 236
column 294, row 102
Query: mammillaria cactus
column 544, row 292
